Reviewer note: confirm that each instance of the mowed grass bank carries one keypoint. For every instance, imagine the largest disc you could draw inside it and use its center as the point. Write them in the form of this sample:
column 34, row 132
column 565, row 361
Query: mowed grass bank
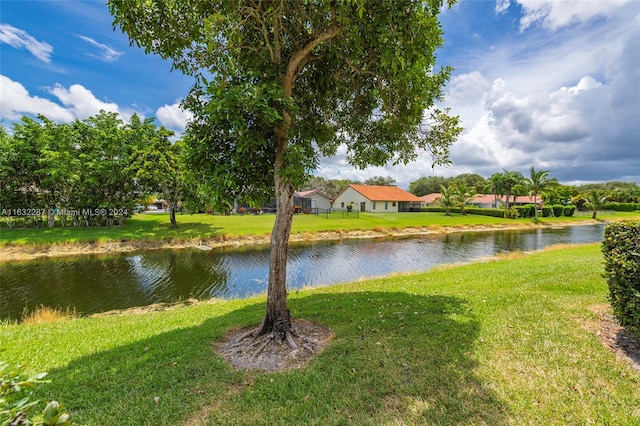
column 155, row 227
column 504, row 342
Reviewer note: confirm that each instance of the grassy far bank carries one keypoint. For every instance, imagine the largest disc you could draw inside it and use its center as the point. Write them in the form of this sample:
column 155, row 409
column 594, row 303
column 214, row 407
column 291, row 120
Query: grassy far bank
column 155, row 227
column 501, row 342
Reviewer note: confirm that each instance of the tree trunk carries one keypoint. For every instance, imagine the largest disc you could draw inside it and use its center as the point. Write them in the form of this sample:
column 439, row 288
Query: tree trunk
column 50, row 218
column 172, row 199
column 172, row 216
column 278, row 319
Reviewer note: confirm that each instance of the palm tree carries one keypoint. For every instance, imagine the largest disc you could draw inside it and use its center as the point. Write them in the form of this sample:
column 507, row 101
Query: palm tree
column 510, row 180
column 462, row 194
column 594, row 200
column 495, row 186
column 447, row 199
column 536, row 183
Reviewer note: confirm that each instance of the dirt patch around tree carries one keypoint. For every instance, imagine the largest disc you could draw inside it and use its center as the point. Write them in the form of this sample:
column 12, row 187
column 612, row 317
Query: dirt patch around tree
column 264, row 354
column 617, row 338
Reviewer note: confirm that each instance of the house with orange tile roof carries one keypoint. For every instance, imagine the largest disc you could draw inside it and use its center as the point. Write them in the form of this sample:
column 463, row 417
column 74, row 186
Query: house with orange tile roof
column 430, row 200
column 376, row 199
column 492, row 201
column 487, row 201
column 484, row 201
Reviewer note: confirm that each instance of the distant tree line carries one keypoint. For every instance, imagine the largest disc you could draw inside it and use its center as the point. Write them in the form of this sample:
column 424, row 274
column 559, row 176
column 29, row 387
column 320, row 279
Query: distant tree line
column 511, row 183
column 95, row 171
column 90, row 172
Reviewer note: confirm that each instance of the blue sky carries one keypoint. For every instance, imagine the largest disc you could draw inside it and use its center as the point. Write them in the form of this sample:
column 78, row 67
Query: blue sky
column 553, row 84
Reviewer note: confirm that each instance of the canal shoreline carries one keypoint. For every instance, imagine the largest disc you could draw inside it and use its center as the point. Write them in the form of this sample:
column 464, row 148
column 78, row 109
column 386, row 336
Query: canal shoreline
column 14, row 252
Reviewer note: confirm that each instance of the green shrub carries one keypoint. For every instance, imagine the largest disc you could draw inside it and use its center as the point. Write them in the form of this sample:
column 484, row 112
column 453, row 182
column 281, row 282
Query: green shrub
column 621, row 207
column 512, row 213
column 16, row 404
column 546, row 211
column 485, row 212
column 557, row 210
column 441, row 209
column 523, row 211
column 621, row 248
column 569, row 210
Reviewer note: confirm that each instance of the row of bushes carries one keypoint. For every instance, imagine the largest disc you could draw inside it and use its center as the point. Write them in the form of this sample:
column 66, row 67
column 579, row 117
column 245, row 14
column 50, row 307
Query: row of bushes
column 621, row 207
column 621, row 249
column 469, row 210
column 525, row 211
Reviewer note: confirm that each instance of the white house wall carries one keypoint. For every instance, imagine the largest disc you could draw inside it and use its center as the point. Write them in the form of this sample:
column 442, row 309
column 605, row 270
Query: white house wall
column 350, row 195
column 320, row 202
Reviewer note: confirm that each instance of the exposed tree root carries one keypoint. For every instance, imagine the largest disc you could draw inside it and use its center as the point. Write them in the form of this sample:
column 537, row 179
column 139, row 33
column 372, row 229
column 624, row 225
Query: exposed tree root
column 247, row 351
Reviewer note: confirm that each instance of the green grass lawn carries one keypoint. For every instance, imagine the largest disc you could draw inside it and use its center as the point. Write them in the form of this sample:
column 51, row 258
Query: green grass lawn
column 497, row 343
column 155, row 227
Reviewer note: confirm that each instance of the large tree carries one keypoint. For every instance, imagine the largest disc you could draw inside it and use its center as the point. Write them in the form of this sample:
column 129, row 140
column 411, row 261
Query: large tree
column 331, row 187
column 428, row 185
column 158, row 163
column 381, row 181
column 280, row 83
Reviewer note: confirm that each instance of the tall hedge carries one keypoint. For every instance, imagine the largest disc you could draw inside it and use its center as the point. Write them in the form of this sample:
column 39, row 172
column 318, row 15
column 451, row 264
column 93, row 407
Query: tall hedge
column 557, row 210
column 621, row 249
column 622, row 207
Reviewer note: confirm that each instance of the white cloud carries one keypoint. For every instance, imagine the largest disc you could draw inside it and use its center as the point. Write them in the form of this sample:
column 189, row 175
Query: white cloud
column 502, row 6
column 20, row 39
column 16, row 102
column 173, row 117
column 81, row 101
column 77, row 102
column 554, row 14
column 107, row 53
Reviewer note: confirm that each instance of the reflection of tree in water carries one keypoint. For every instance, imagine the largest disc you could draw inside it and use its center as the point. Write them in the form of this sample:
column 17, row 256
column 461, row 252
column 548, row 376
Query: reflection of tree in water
column 90, row 284
column 87, row 284
column 99, row 283
column 182, row 274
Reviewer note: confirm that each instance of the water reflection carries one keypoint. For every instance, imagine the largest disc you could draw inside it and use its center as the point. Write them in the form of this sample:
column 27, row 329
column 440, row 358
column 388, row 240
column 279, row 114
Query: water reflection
column 99, row 283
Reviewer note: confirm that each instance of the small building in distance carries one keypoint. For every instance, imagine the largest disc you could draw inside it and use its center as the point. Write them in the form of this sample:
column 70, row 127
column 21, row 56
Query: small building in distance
column 376, row 199
column 430, row 200
column 315, row 200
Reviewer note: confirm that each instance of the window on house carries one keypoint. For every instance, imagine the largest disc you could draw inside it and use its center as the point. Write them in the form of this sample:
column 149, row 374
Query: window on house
column 393, row 204
column 342, row 205
column 386, row 205
column 373, row 205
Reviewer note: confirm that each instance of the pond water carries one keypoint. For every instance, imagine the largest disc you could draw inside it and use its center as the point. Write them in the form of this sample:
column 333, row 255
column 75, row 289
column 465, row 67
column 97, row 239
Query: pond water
column 91, row 284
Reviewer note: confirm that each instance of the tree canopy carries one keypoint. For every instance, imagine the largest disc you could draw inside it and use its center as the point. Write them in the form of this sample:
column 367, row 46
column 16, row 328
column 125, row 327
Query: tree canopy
column 88, row 172
column 279, row 84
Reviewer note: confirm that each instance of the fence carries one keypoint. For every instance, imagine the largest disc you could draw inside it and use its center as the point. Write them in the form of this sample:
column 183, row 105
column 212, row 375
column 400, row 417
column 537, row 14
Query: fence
column 590, row 212
column 336, row 213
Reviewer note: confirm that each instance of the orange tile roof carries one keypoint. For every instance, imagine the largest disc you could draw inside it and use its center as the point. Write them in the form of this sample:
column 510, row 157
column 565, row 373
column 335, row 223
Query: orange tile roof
column 385, row 193
column 430, row 198
column 484, row 198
